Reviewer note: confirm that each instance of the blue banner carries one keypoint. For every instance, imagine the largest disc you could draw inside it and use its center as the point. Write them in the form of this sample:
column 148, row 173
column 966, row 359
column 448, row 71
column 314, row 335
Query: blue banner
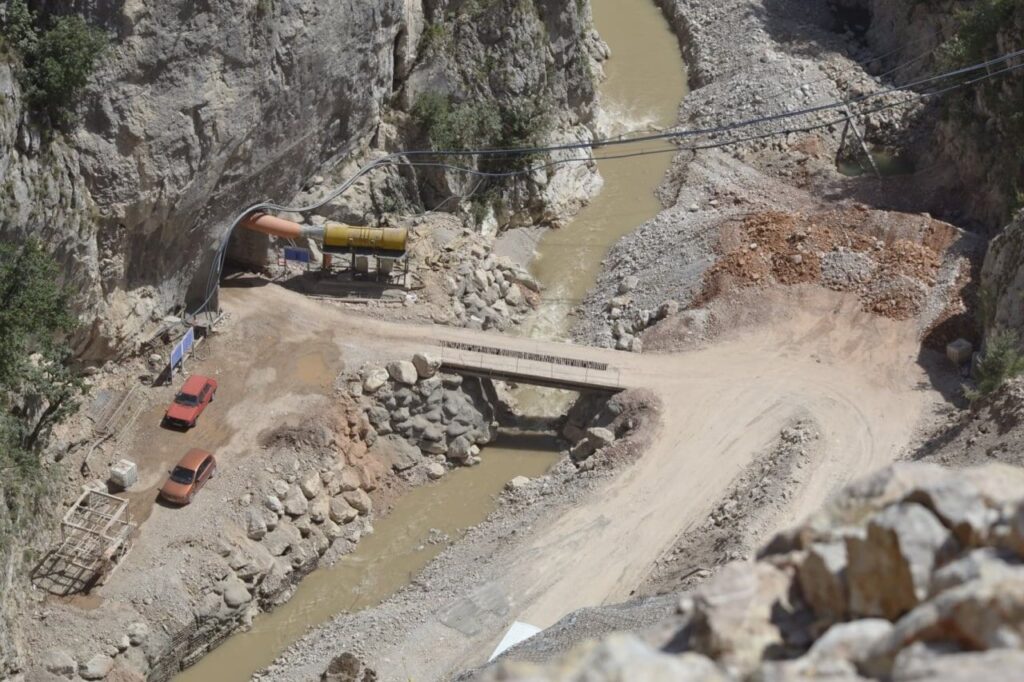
column 180, row 348
column 299, row 255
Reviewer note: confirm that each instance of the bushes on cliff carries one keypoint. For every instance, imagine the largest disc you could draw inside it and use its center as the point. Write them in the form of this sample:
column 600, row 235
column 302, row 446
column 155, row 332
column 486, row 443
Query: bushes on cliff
column 483, row 124
column 58, row 56
column 38, row 385
column 1001, row 362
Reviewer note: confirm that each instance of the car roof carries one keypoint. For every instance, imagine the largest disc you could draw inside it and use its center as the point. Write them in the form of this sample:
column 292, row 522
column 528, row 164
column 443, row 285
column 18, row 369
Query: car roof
column 194, row 384
column 193, row 458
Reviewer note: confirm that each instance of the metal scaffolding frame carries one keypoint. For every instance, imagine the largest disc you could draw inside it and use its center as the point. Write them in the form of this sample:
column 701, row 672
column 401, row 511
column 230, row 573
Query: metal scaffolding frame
column 95, row 536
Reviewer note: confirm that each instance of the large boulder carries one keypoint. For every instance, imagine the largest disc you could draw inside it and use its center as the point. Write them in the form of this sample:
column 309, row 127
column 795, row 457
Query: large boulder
column 600, row 437
column 822, row 579
column 981, row 614
column 282, row 538
column 96, row 668
column 374, row 379
column 311, row 484
column 889, row 569
column 620, row 657
column 341, row 511
column 851, row 641
column 236, row 593
column 398, row 451
column 959, row 506
column 295, row 504
column 255, row 524
column 359, row 500
column 60, row 663
column 426, row 365
column 403, row 372
column 733, row 614
column 319, row 508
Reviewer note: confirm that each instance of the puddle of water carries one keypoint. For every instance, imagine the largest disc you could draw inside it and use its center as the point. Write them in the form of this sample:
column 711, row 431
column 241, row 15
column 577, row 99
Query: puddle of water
column 312, row 369
column 645, row 82
column 384, row 561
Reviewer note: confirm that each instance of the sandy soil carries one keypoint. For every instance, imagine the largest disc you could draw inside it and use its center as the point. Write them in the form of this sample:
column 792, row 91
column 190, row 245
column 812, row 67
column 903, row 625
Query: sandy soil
column 808, row 353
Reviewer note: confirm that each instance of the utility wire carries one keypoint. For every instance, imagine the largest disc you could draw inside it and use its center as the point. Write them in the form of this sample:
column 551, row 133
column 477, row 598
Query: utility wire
column 220, row 255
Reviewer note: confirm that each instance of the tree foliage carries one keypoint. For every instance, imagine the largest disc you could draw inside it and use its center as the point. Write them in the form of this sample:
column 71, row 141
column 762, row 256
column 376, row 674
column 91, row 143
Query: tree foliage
column 58, row 57
column 1001, row 361
column 38, row 385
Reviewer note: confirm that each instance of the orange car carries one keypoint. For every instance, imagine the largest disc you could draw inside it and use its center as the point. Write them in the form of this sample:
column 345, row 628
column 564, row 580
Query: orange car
column 190, row 402
column 191, row 474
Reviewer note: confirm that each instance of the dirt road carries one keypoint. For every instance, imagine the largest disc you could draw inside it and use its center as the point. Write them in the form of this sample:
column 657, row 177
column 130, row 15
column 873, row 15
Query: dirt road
column 818, row 354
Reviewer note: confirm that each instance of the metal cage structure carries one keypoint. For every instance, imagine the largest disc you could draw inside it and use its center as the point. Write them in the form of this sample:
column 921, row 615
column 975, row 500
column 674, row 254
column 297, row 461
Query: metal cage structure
column 95, row 535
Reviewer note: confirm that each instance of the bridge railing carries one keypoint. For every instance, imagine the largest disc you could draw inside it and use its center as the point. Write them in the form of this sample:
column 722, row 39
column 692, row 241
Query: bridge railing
column 528, row 364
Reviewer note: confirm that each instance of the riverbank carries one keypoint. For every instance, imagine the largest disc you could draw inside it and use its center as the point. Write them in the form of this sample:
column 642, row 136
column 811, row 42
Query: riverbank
column 866, row 334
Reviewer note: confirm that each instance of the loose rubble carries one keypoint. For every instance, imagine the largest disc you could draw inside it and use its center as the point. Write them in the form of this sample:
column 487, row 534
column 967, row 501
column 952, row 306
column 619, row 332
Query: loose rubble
column 912, row 573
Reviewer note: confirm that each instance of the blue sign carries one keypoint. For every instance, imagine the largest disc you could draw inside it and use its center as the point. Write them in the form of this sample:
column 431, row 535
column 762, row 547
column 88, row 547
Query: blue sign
column 180, row 348
column 297, row 254
column 176, row 355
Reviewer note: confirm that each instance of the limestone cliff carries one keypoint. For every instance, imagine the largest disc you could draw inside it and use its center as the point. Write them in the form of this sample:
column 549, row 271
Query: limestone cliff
column 970, row 141
column 202, row 109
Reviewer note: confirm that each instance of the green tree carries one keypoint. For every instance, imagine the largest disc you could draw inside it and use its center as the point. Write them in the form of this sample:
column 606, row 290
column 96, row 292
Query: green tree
column 38, row 385
column 57, row 59
column 1001, row 361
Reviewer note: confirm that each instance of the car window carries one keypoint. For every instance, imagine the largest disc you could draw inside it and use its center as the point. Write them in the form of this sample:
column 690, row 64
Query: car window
column 202, row 468
column 182, row 475
column 186, row 399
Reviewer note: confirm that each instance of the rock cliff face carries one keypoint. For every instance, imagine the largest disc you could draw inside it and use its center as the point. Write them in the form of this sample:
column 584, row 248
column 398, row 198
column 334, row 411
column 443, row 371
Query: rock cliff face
column 971, row 140
column 202, row 109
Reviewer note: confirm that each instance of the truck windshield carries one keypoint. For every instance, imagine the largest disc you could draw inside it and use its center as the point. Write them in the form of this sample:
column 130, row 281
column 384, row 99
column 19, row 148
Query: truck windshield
column 187, row 399
column 182, row 475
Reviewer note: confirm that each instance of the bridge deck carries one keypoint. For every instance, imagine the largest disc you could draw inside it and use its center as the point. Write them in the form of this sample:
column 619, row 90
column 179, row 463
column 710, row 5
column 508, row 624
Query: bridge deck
column 523, row 366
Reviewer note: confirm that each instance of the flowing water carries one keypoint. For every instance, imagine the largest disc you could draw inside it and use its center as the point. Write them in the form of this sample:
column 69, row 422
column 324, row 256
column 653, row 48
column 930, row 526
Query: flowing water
column 645, row 82
column 382, row 562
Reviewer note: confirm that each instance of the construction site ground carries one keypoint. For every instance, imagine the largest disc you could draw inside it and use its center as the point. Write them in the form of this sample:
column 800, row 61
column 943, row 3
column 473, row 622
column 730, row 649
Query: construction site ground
column 799, row 352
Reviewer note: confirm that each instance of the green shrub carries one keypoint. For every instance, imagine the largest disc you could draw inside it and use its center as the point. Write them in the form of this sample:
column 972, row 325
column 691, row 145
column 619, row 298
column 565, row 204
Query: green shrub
column 1001, row 361
column 466, row 125
column 38, row 385
column 57, row 59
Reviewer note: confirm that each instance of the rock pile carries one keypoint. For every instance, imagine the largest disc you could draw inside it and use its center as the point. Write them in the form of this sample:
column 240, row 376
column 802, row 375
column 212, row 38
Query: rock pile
column 627, row 321
column 420, row 419
column 913, row 573
column 891, row 261
column 487, row 291
column 597, row 426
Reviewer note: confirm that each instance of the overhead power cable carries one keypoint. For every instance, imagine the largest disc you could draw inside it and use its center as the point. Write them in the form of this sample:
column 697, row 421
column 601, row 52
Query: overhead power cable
column 401, row 157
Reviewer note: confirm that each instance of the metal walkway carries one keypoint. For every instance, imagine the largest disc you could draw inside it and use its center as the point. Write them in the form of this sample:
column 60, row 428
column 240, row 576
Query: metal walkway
column 539, row 369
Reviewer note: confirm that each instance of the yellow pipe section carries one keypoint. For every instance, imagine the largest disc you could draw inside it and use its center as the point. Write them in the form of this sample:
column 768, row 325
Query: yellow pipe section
column 333, row 235
column 337, row 236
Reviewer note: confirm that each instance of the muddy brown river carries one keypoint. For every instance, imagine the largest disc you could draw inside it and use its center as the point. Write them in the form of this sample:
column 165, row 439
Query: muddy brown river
column 646, row 79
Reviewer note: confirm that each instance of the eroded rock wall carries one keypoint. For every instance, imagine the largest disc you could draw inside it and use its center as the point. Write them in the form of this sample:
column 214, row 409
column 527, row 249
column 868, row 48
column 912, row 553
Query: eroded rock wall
column 202, row 109
column 968, row 140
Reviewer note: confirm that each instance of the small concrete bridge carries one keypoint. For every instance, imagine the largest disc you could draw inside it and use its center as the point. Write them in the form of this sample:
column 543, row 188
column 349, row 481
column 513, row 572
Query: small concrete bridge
column 527, row 367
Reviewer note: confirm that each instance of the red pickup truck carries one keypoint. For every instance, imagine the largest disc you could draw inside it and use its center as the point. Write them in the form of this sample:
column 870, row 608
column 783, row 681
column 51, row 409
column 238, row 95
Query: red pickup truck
column 190, row 402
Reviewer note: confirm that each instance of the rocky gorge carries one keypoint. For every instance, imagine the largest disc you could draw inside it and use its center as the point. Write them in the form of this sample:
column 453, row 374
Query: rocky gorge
column 907, row 574
column 199, row 112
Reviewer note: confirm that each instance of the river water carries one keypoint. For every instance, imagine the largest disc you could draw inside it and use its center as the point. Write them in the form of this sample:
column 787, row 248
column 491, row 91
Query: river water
column 645, row 82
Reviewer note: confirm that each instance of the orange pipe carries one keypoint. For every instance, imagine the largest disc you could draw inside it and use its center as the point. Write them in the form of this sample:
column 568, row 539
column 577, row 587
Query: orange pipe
column 272, row 225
